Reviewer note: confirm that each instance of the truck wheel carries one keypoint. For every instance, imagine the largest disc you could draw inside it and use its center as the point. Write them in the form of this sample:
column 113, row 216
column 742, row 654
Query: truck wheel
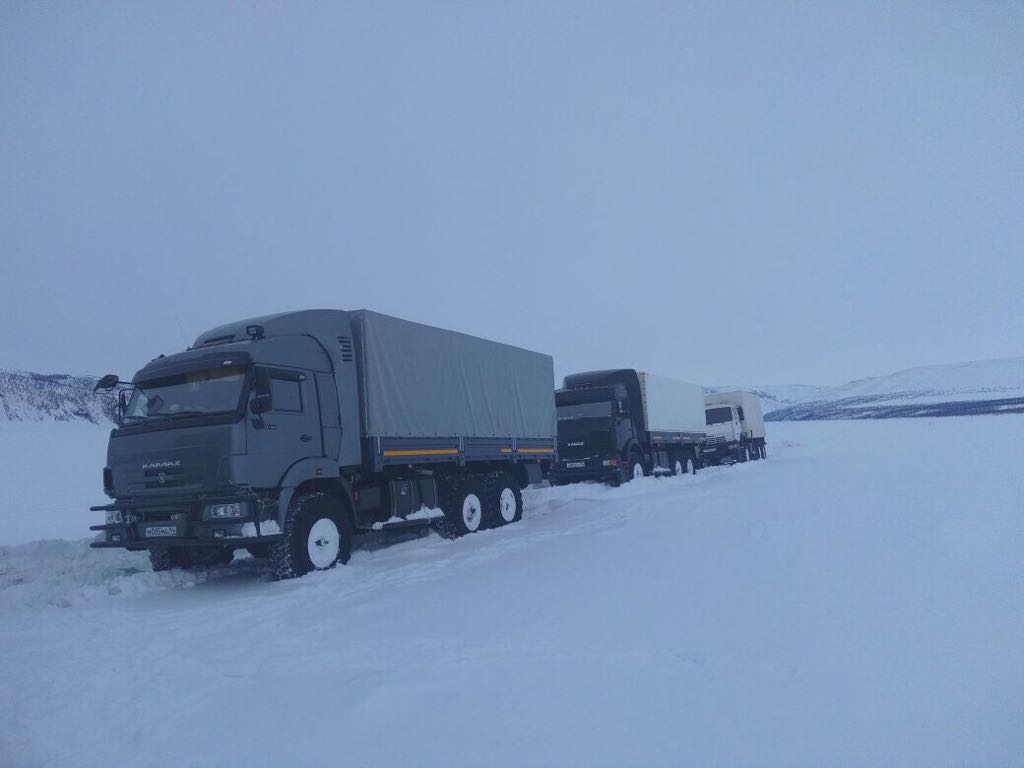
column 691, row 466
column 317, row 536
column 166, row 558
column 505, row 497
column 741, row 454
column 464, row 513
column 678, row 468
column 636, row 467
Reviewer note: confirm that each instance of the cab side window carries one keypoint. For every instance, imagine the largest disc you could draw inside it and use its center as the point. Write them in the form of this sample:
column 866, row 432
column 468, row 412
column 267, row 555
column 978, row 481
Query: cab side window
column 285, row 394
column 740, row 412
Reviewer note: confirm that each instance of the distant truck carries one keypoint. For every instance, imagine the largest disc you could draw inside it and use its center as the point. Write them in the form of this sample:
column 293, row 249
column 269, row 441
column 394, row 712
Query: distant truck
column 617, row 425
column 735, row 427
column 287, row 434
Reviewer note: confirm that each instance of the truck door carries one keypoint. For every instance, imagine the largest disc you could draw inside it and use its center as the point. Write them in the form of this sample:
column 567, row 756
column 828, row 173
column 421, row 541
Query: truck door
column 290, row 430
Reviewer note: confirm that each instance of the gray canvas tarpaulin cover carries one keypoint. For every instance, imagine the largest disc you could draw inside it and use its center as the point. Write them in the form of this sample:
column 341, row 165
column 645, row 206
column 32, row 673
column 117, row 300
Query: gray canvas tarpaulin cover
column 421, row 381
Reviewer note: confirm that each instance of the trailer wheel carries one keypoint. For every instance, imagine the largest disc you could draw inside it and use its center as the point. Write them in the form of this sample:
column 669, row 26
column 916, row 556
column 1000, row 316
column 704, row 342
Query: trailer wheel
column 691, row 466
column 678, row 468
column 317, row 536
column 505, row 497
column 465, row 511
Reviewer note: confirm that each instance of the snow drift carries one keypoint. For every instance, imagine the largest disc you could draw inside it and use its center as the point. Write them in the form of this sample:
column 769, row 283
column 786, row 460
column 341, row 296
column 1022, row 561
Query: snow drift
column 857, row 599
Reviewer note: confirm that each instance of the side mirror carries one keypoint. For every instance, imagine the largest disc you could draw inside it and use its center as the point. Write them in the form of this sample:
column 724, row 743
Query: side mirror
column 259, row 404
column 107, row 383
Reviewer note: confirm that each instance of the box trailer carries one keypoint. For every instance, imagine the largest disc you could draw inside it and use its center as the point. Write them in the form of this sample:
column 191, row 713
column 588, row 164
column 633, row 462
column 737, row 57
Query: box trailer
column 286, row 434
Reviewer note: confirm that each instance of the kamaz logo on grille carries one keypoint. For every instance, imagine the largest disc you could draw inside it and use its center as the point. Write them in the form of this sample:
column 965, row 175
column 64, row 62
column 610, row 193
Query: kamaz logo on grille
column 574, row 445
column 162, row 464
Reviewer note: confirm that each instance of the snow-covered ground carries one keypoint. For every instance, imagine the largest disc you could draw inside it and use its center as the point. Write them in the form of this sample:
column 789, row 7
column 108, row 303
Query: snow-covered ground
column 857, row 599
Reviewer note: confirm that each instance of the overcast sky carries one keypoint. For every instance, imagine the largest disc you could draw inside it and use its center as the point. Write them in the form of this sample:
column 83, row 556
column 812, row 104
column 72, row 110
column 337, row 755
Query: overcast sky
column 751, row 193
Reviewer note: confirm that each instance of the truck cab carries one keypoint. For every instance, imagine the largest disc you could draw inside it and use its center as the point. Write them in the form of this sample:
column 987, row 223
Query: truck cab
column 735, row 428
column 207, row 441
column 597, row 429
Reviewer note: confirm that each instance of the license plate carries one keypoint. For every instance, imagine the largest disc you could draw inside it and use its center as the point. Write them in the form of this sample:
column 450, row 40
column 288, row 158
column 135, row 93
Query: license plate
column 161, row 530
column 575, row 464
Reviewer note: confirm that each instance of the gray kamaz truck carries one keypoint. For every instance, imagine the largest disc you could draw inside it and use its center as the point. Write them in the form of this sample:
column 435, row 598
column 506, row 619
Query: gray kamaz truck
column 287, row 434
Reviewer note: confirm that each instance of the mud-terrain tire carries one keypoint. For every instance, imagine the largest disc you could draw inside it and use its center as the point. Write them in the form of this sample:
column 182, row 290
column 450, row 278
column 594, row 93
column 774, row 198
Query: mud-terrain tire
column 505, row 499
column 317, row 536
column 635, row 469
column 466, row 508
column 166, row 558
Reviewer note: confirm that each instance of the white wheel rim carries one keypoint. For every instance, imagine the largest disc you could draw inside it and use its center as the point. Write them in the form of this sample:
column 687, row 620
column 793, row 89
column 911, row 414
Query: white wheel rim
column 679, row 467
column 638, row 471
column 323, row 543
column 471, row 511
column 689, row 466
column 507, row 504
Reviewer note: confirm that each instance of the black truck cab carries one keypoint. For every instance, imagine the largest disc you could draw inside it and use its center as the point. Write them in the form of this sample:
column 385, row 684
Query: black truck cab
column 600, row 426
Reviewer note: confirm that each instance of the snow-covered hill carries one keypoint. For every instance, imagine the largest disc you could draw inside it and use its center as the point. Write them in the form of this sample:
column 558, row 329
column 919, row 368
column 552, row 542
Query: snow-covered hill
column 27, row 396
column 784, row 612
column 776, row 396
column 985, row 386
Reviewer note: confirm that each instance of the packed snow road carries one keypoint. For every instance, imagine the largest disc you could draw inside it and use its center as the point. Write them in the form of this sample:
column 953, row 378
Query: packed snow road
column 857, row 599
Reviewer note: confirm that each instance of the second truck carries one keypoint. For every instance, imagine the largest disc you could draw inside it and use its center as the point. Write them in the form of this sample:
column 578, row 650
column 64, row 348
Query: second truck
column 618, row 425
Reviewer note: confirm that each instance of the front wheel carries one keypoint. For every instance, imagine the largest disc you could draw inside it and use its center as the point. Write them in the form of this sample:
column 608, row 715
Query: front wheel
column 636, row 467
column 317, row 536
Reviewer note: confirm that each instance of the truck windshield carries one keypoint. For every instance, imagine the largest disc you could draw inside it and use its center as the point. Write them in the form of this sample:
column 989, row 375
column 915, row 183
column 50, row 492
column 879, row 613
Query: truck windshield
column 718, row 415
column 585, row 411
column 196, row 393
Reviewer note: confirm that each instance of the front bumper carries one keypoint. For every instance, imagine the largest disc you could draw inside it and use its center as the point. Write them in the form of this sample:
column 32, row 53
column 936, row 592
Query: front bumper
column 177, row 522
column 719, row 452
column 570, row 471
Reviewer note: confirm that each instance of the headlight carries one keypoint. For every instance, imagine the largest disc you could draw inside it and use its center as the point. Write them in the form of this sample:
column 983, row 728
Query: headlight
column 233, row 511
column 114, row 517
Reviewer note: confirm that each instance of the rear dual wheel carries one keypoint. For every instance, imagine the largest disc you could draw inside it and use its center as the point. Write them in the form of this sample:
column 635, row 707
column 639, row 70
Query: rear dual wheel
column 476, row 502
column 684, row 465
column 464, row 508
column 507, row 497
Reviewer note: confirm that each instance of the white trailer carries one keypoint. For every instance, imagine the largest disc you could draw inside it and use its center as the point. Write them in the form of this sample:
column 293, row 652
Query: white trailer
column 671, row 405
column 735, row 427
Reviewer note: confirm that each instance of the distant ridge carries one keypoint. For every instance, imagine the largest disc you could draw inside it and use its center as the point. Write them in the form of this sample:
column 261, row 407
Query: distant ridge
column 957, row 389
column 28, row 396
